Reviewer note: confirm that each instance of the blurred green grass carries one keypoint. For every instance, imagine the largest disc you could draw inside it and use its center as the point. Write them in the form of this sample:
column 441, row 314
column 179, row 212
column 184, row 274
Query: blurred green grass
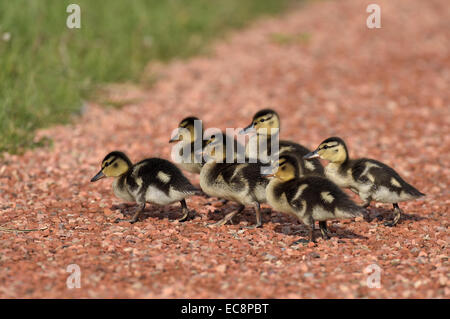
column 47, row 69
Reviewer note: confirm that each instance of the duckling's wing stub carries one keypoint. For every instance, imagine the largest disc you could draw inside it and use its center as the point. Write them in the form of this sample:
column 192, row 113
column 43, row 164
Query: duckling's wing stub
column 240, row 182
column 321, row 194
column 334, row 197
column 161, row 174
column 252, row 173
column 240, row 176
column 292, row 192
column 358, row 169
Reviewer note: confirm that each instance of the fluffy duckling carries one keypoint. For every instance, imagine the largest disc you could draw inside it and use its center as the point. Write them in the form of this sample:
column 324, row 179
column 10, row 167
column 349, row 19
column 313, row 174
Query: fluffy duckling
column 234, row 150
column 152, row 180
column 190, row 134
column 266, row 123
column 370, row 179
column 238, row 182
column 309, row 198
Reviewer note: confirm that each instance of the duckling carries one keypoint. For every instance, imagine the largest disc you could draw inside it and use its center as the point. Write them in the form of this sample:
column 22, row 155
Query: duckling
column 309, row 198
column 234, row 150
column 238, row 182
column 266, row 123
column 190, row 134
column 370, row 179
column 153, row 180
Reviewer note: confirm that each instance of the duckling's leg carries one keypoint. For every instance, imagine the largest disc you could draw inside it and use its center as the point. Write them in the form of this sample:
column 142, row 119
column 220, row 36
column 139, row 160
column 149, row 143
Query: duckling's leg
column 324, row 229
column 311, row 232
column 258, row 217
column 184, row 210
column 135, row 216
column 228, row 217
column 397, row 215
column 365, row 205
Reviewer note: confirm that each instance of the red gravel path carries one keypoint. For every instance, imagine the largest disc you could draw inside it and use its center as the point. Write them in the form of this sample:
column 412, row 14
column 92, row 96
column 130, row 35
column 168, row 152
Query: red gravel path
column 385, row 91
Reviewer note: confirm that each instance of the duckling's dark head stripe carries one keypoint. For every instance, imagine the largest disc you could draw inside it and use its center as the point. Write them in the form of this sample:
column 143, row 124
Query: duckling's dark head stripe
column 268, row 117
column 336, row 139
column 264, row 112
column 325, row 146
column 114, row 155
column 188, row 121
column 109, row 161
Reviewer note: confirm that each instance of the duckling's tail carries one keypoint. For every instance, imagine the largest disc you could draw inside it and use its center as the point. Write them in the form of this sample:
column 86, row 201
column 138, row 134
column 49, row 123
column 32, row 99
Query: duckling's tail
column 196, row 190
column 412, row 191
column 408, row 191
column 190, row 189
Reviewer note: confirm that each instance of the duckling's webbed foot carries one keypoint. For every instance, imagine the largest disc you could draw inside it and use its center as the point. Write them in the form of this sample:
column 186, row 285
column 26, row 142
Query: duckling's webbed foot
column 224, row 220
column 228, row 217
column 184, row 210
column 324, row 230
column 397, row 215
column 135, row 216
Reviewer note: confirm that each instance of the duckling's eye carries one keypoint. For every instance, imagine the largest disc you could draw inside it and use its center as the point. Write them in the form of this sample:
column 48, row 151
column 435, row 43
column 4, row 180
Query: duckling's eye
column 325, row 147
column 262, row 120
column 109, row 163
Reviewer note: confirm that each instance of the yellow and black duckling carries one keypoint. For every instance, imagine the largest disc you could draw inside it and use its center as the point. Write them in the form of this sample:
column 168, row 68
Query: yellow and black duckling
column 370, row 179
column 238, row 182
column 234, row 150
column 266, row 124
column 190, row 134
column 153, row 180
column 309, row 198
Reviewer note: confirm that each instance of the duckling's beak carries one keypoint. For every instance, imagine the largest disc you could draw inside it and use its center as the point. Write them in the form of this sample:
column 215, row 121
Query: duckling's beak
column 269, row 173
column 176, row 138
column 311, row 155
column 248, row 129
column 99, row 175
